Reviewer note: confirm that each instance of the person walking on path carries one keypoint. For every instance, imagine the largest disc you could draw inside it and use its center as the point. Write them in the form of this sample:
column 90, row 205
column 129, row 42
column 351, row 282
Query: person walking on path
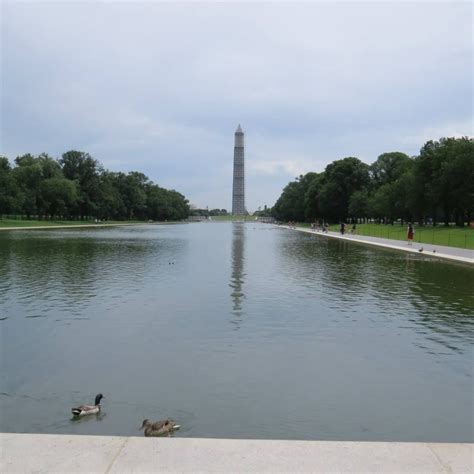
column 343, row 228
column 410, row 233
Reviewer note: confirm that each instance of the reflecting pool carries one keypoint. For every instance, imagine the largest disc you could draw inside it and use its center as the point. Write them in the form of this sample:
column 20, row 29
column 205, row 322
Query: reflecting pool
column 235, row 330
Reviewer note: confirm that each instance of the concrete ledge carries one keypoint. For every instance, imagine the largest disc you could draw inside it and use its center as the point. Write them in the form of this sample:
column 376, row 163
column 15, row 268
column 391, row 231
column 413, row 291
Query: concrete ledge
column 443, row 252
column 65, row 453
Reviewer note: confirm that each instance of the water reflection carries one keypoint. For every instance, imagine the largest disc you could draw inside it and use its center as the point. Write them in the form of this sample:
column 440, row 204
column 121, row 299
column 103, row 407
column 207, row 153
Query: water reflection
column 425, row 294
column 68, row 270
column 340, row 341
column 237, row 276
column 442, row 295
column 74, row 420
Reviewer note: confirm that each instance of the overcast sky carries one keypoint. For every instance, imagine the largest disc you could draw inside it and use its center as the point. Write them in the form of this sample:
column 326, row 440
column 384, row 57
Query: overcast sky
column 161, row 87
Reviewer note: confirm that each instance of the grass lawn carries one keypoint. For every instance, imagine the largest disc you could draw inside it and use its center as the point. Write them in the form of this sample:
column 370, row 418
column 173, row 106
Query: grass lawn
column 5, row 223
column 440, row 235
column 232, row 218
column 36, row 223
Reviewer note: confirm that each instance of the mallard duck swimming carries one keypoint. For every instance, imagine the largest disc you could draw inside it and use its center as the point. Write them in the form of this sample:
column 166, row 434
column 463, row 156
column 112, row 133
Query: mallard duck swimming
column 88, row 409
column 159, row 428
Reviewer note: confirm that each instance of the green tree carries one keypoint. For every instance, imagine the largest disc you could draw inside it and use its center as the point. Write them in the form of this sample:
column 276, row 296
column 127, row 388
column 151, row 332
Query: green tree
column 110, row 202
column 81, row 168
column 164, row 204
column 342, row 179
column 136, row 194
column 58, row 196
column 157, row 203
column 10, row 201
column 28, row 176
column 385, row 201
column 178, row 204
column 77, row 185
column 359, row 204
column 291, row 204
column 388, row 168
column 311, row 198
column 50, row 168
column 443, row 177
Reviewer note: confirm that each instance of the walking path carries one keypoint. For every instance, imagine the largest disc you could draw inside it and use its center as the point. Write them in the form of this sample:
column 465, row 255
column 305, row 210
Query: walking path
column 439, row 251
column 107, row 454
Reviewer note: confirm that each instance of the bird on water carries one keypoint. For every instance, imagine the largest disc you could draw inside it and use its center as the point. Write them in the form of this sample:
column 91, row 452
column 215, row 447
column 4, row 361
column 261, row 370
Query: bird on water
column 159, row 428
column 88, row 409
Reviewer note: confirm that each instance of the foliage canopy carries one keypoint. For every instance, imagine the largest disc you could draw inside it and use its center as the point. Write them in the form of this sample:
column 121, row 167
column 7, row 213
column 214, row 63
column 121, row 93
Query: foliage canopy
column 436, row 185
column 78, row 187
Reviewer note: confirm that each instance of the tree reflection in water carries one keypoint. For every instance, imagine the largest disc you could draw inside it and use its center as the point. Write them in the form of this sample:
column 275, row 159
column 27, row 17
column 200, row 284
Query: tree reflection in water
column 430, row 295
column 68, row 269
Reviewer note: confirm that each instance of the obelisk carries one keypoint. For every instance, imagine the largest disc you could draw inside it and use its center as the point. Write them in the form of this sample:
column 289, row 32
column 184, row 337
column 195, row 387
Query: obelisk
column 238, row 190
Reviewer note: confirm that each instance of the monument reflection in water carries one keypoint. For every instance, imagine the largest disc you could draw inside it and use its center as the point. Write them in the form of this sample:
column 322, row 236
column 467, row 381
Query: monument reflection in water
column 237, row 330
column 237, row 276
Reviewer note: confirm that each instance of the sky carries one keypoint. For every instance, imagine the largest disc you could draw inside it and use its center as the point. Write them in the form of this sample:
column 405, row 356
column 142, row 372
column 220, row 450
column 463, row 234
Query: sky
column 160, row 87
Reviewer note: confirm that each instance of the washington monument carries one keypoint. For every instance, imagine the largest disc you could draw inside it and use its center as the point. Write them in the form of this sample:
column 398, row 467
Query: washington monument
column 238, row 191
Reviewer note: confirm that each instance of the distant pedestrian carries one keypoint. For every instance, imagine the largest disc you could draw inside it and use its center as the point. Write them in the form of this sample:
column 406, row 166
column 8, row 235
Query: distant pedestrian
column 353, row 230
column 342, row 228
column 410, row 233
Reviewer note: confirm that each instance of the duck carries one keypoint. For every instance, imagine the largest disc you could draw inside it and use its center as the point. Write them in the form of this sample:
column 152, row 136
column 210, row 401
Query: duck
column 159, row 428
column 88, row 409
column 420, row 250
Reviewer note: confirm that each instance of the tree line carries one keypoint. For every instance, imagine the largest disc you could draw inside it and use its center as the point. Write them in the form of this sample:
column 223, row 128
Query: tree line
column 208, row 212
column 437, row 186
column 77, row 186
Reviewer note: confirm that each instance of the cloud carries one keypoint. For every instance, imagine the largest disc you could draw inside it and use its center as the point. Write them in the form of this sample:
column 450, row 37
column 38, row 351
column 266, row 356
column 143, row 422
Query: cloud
column 161, row 87
column 293, row 167
column 451, row 129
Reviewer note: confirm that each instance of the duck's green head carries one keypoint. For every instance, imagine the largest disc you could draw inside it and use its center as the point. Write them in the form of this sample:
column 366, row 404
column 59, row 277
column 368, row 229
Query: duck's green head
column 98, row 398
column 145, row 423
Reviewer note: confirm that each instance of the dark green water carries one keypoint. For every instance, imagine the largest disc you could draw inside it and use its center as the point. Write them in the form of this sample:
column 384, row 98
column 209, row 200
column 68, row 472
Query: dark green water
column 234, row 330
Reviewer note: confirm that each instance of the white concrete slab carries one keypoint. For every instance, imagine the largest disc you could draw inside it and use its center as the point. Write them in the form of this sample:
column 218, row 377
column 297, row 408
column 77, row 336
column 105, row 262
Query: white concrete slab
column 30, row 453
column 257, row 456
column 57, row 453
column 454, row 455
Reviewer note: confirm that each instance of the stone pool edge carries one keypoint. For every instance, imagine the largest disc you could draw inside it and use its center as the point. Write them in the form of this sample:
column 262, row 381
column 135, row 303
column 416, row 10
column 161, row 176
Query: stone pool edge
column 106, row 454
column 385, row 243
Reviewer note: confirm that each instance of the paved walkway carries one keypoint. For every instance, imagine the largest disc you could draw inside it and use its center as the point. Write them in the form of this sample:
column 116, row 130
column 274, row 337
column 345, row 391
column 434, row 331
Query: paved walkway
column 439, row 251
column 107, row 454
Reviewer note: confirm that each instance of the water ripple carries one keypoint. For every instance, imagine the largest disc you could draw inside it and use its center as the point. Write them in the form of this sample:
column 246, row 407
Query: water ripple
column 238, row 331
